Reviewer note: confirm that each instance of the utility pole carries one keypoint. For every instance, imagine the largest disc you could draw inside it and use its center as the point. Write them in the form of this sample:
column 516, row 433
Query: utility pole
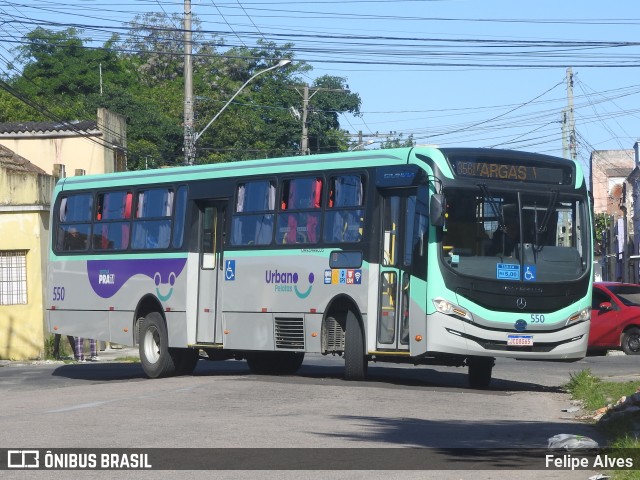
column 304, row 141
column 189, row 139
column 571, row 123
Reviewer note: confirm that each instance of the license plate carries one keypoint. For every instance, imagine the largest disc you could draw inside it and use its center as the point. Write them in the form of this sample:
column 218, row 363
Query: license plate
column 520, row 340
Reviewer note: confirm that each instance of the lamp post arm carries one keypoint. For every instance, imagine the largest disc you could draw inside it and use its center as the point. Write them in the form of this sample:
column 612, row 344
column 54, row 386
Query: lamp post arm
column 231, row 99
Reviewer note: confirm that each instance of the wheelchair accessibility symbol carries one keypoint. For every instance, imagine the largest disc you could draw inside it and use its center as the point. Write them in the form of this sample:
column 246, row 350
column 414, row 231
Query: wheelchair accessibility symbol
column 529, row 273
column 230, row 270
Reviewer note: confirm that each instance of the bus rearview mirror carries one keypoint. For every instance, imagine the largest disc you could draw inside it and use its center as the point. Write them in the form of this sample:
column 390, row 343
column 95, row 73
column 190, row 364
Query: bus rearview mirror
column 436, row 209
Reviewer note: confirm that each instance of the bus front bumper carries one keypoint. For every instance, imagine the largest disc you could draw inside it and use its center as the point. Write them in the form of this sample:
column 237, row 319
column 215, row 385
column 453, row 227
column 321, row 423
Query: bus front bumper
column 447, row 334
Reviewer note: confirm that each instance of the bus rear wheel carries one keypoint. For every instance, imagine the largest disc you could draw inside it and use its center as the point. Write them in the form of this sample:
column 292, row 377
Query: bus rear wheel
column 154, row 347
column 275, row 363
column 480, row 369
column 355, row 360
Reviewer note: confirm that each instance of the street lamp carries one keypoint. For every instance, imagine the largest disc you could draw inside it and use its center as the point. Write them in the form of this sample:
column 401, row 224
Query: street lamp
column 195, row 137
column 360, row 146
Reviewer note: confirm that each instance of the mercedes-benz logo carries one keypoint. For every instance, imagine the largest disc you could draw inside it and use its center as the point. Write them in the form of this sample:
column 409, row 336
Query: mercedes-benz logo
column 521, row 303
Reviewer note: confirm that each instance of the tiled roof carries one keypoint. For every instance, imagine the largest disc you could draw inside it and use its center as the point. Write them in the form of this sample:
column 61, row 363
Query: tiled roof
column 12, row 161
column 48, row 127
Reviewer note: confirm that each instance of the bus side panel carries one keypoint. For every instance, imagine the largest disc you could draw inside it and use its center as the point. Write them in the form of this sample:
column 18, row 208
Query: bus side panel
column 267, row 289
column 120, row 327
column 248, row 331
column 98, row 297
column 87, row 324
column 177, row 329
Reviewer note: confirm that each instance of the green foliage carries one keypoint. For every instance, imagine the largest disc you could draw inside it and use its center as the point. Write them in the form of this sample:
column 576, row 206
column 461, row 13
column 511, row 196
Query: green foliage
column 64, row 347
column 397, row 142
column 142, row 79
column 586, row 387
column 594, row 394
column 601, row 223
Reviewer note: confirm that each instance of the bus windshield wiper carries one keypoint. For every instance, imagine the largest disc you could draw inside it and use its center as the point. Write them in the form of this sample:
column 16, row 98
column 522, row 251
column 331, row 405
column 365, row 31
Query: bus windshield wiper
column 551, row 207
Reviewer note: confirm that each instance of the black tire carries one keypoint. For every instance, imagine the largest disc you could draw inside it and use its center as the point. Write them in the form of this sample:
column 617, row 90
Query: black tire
column 275, row 363
column 480, row 369
column 355, row 360
column 631, row 341
column 155, row 358
column 185, row 359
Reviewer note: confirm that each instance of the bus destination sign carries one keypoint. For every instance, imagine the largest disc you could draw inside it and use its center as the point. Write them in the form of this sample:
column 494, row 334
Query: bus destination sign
column 490, row 169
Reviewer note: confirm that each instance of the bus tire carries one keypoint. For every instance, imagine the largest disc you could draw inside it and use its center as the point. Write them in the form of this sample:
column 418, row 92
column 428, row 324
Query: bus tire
column 631, row 341
column 355, row 361
column 480, row 369
column 153, row 347
column 185, row 359
column 275, row 363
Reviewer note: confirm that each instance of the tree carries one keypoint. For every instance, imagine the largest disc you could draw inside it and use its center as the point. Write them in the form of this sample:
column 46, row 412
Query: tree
column 332, row 98
column 397, row 141
column 66, row 78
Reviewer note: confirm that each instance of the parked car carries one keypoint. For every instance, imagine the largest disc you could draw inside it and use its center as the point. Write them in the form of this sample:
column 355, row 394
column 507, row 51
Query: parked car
column 615, row 318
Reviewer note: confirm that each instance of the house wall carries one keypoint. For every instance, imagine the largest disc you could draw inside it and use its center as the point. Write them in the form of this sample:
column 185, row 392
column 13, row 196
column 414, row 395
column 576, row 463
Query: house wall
column 114, row 128
column 24, row 223
column 73, row 151
column 603, row 183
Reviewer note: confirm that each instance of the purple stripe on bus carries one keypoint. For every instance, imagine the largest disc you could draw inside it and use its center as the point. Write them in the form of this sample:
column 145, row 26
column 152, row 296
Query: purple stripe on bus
column 107, row 277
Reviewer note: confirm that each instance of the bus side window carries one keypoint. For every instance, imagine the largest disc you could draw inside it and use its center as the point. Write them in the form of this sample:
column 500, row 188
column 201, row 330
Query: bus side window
column 112, row 225
column 252, row 221
column 344, row 218
column 152, row 224
column 73, row 219
column 298, row 221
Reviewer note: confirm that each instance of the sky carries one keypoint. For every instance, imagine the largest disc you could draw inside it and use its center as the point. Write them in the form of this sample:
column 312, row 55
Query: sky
column 468, row 73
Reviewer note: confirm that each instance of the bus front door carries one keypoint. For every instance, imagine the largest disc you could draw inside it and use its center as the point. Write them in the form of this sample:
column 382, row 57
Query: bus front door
column 393, row 296
column 211, row 273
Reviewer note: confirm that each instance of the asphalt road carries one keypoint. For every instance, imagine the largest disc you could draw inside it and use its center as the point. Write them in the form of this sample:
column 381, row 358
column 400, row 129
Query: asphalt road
column 223, row 405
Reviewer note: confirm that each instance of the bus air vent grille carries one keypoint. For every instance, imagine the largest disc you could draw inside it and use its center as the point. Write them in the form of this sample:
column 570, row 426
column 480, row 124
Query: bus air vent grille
column 289, row 333
column 334, row 336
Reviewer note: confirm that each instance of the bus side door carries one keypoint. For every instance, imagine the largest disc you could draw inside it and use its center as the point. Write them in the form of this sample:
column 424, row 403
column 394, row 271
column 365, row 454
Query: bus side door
column 212, row 227
column 402, row 266
column 393, row 305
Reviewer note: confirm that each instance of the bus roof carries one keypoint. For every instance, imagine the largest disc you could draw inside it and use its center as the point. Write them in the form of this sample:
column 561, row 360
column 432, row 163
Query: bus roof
column 360, row 159
column 319, row 162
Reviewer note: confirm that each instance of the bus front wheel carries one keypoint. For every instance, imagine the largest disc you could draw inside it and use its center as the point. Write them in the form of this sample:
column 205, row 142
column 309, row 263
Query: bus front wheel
column 154, row 347
column 355, row 360
column 480, row 369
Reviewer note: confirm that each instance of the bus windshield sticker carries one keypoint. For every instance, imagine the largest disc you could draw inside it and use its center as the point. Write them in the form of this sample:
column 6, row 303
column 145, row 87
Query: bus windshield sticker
column 343, row 276
column 529, row 273
column 508, row 271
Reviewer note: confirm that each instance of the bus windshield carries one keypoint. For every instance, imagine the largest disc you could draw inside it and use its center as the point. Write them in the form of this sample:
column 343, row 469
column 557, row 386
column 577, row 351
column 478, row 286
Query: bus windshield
column 515, row 235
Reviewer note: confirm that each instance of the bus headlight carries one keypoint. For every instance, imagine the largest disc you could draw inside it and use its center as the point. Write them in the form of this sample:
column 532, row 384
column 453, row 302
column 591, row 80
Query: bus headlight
column 581, row 316
column 448, row 308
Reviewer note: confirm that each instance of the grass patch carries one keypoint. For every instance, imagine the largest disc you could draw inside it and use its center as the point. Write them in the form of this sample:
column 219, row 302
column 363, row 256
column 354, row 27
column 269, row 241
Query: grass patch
column 595, row 394
column 129, row 359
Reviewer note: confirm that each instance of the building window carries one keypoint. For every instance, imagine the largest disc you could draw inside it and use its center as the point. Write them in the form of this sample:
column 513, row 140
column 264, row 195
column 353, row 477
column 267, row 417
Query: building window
column 13, row 277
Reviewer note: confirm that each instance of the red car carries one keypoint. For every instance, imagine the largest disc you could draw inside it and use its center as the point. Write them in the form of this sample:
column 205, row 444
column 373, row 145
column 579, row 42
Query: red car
column 615, row 318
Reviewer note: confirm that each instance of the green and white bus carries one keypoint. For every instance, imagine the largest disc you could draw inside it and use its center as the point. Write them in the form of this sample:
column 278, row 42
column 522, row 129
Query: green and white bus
column 397, row 255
